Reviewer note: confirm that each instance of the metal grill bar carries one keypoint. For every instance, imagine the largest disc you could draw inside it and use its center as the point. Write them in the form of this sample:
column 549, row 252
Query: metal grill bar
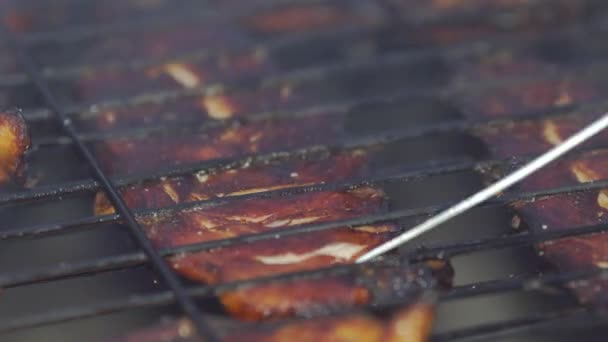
column 182, row 298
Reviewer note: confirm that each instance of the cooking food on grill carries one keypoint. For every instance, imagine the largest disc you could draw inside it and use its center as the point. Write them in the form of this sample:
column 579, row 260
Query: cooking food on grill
column 312, row 250
column 563, row 211
column 227, row 53
column 413, row 285
column 263, row 258
column 14, row 143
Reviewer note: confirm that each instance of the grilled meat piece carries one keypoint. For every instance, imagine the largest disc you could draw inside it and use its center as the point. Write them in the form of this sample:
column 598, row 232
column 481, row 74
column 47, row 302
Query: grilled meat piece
column 172, row 75
column 14, row 143
column 268, row 257
column 567, row 211
column 564, row 211
column 246, row 179
column 45, row 17
column 528, row 97
column 123, row 156
column 414, row 285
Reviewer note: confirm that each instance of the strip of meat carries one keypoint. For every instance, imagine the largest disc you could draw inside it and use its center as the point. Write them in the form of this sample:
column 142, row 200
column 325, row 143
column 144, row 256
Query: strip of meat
column 565, row 211
column 502, row 63
column 123, row 156
column 407, row 322
column 14, row 144
column 247, row 179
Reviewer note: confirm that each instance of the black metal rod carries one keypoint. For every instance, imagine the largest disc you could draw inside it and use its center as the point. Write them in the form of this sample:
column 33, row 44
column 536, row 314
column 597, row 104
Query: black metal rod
column 181, row 296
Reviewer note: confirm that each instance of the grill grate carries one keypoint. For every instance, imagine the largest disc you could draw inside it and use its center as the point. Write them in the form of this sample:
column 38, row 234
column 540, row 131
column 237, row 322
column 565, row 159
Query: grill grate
column 185, row 296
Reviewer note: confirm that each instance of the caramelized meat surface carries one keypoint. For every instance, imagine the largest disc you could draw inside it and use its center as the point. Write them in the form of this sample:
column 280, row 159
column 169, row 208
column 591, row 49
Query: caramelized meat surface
column 268, row 257
column 413, row 285
column 570, row 211
column 564, row 211
column 123, row 156
column 14, row 143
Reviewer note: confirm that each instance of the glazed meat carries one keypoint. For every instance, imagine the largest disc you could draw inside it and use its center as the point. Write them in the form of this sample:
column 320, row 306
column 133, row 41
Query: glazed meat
column 414, row 285
column 14, row 143
column 564, row 211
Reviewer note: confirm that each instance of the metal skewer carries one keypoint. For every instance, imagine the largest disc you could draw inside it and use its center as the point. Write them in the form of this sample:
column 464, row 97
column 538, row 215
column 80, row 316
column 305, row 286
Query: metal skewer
column 492, row 190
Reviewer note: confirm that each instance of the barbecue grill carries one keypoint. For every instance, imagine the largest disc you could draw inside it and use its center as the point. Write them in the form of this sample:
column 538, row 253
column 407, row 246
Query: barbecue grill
column 69, row 275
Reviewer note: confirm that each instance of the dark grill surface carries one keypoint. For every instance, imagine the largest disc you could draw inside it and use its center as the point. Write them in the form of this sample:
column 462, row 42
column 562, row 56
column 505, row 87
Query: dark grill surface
column 71, row 276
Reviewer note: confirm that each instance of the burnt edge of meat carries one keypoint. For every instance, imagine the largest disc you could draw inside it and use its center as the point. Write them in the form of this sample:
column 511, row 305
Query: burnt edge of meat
column 14, row 144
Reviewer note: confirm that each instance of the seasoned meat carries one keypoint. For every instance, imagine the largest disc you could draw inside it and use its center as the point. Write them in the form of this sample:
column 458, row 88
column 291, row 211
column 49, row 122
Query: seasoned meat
column 564, row 211
column 14, row 143
column 414, row 285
